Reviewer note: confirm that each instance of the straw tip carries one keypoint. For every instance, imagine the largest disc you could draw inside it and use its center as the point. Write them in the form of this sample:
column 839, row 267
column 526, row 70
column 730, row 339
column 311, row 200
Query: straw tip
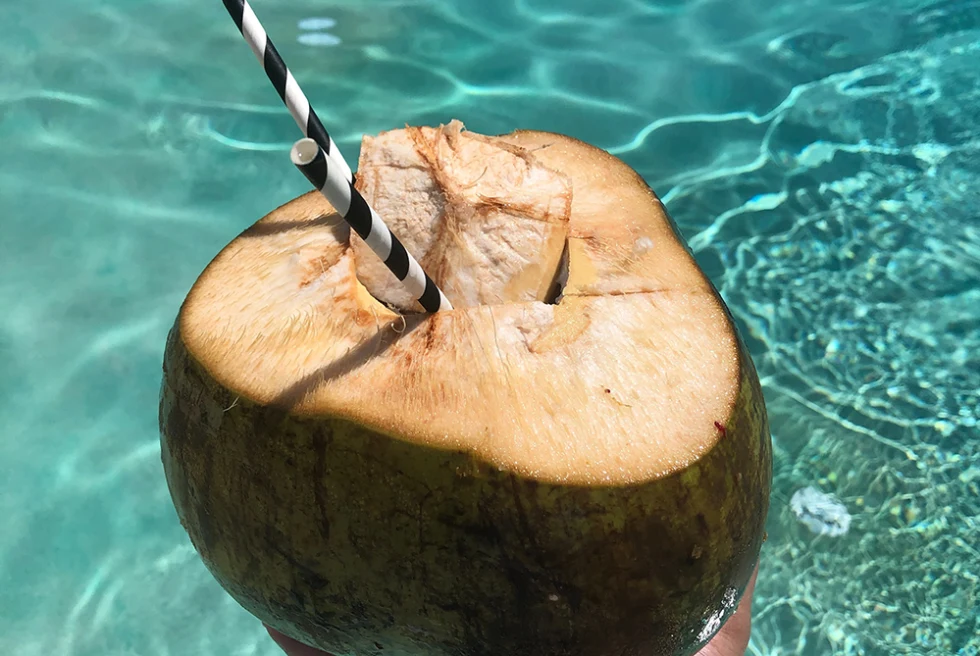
column 304, row 151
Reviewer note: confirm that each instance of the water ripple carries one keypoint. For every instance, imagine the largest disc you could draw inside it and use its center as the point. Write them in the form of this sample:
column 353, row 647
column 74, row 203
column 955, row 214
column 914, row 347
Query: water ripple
column 821, row 156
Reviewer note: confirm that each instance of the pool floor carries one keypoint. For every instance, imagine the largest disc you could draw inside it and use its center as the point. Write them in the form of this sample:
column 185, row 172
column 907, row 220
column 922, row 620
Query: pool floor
column 821, row 158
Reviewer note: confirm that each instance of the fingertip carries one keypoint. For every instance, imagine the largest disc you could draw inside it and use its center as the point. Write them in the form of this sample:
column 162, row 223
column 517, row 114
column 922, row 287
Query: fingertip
column 291, row 646
column 750, row 587
column 740, row 623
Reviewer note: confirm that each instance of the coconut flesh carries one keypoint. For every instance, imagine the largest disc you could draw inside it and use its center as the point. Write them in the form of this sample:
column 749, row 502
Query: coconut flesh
column 575, row 460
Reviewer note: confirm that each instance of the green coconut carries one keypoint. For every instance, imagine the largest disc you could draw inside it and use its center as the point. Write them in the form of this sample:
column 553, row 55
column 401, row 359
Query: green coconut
column 574, row 461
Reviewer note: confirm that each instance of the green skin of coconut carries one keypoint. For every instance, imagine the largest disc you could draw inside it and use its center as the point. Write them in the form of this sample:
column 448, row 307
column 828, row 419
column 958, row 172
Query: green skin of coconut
column 359, row 543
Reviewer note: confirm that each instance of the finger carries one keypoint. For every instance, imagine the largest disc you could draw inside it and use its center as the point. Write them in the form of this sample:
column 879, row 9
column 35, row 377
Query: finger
column 741, row 621
column 733, row 638
column 293, row 647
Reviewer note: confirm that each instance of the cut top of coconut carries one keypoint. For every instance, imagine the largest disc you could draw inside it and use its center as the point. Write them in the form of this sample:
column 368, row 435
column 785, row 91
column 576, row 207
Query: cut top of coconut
column 486, row 219
column 625, row 379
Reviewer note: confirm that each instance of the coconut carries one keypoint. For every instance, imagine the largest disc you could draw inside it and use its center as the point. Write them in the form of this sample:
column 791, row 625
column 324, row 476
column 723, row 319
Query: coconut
column 575, row 460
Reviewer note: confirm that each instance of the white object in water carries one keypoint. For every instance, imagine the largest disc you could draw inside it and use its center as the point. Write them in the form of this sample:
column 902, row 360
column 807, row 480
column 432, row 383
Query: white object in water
column 314, row 34
column 318, row 39
column 820, row 512
column 316, row 23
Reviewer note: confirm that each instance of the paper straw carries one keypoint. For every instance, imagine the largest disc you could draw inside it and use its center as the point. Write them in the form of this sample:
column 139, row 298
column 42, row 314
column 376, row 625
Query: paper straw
column 284, row 82
column 309, row 158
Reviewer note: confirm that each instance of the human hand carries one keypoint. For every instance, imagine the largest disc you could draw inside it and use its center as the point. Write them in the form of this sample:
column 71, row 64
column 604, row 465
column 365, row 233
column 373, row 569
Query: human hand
column 731, row 640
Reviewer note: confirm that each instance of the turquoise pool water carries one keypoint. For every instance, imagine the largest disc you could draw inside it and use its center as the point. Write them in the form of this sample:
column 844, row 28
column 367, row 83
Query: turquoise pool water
column 822, row 157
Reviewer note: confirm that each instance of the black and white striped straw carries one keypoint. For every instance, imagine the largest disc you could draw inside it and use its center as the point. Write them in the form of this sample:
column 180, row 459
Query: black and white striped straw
column 284, row 82
column 309, row 158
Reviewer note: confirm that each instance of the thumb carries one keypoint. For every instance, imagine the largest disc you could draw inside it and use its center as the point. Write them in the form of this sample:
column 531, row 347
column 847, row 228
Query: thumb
column 733, row 638
column 293, row 647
